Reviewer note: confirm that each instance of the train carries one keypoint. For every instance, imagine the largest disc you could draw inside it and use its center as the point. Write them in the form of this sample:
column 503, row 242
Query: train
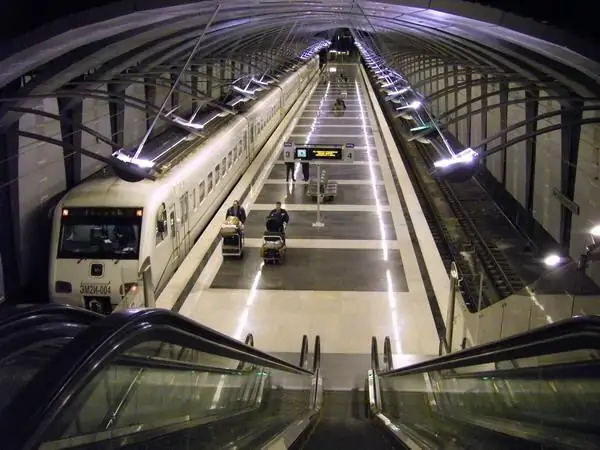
column 104, row 229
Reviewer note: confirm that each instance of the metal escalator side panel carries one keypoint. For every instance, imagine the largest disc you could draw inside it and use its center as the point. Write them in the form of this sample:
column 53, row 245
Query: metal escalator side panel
column 30, row 337
column 83, row 361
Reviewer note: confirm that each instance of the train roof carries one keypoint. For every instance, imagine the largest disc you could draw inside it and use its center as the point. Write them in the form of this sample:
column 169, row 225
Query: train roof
column 121, row 193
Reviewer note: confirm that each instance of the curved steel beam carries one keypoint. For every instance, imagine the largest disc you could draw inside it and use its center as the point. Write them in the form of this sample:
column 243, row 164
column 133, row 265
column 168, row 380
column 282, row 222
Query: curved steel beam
column 449, row 112
column 539, row 132
column 66, row 145
column 517, row 125
column 499, row 79
column 64, row 119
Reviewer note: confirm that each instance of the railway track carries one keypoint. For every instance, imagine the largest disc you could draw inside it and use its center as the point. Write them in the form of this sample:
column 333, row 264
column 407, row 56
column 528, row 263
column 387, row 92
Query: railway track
column 459, row 222
column 471, row 207
column 481, row 211
column 448, row 241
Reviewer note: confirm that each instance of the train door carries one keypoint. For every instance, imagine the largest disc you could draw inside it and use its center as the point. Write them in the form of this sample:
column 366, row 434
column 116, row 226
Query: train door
column 175, row 235
column 184, row 227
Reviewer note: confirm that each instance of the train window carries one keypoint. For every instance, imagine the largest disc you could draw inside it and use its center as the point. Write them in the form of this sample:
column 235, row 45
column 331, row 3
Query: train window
column 209, row 183
column 172, row 221
column 217, row 174
column 194, row 198
column 200, row 193
column 223, row 166
column 161, row 224
column 245, row 141
column 230, row 159
column 185, row 207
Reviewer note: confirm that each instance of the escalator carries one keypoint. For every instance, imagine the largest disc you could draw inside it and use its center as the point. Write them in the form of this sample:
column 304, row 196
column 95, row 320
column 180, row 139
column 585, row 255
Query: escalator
column 152, row 379
column 344, row 423
column 30, row 336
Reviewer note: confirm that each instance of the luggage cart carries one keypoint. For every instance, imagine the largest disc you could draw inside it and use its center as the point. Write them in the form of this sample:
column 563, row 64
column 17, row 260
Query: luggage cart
column 233, row 240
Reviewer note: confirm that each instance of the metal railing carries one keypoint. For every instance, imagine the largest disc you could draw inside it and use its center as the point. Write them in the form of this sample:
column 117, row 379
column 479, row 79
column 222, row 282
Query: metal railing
column 537, row 388
column 157, row 373
column 560, row 294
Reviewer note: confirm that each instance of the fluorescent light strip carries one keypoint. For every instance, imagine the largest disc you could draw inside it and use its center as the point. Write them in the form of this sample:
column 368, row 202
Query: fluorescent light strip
column 388, row 274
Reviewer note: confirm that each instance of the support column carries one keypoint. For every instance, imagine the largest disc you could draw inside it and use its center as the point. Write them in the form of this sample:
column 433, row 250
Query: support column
column 209, row 80
column 222, row 63
column 455, row 94
column 71, row 136
column 570, row 136
column 484, row 109
column 194, row 85
column 445, row 94
column 503, row 125
column 117, row 114
column 531, row 111
column 9, row 204
column 175, row 93
column 150, row 93
column 469, row 77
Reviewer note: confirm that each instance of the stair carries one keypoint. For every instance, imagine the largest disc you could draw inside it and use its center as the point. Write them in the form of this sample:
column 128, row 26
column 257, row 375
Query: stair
column 344, row 425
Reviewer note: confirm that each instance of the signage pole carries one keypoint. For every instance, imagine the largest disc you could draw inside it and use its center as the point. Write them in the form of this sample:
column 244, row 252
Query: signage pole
column 318, row 223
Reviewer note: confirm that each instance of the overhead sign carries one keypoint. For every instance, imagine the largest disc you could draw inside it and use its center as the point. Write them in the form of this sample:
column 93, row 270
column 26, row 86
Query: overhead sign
column 315, row 152
column 319, row 153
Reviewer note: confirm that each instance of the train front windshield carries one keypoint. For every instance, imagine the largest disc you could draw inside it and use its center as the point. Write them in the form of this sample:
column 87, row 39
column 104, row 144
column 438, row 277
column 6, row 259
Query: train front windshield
column 100, row 233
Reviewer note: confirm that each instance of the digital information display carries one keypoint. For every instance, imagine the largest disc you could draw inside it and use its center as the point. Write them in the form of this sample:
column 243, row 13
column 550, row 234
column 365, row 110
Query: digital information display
column 318, row 153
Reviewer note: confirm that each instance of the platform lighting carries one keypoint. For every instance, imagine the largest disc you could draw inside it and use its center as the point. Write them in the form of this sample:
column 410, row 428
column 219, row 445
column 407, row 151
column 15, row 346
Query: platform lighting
column 202, row 124
column 393, row 79
column 140, row 162
column 393, row 94
column 595, row 231
column 390, row 84
column 266, row 83
column 412, row 105
column 396, row 91
column 466, row 156
column 247, row 92
column 259, row 82
column 552, row 260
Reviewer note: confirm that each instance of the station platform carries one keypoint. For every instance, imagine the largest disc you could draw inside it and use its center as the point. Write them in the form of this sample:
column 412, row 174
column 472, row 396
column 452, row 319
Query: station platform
column 354, row 278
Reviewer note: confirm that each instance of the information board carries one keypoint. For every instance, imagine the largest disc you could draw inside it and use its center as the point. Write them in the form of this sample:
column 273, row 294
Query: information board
column 315, row 152
column 319, row 153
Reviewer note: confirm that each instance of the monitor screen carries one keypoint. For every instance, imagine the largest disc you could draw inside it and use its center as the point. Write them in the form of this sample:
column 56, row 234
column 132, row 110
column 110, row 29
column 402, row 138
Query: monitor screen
column 301, row 153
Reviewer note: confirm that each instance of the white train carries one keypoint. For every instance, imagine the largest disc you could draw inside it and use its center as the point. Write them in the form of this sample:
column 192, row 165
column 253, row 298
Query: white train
column 104, row 229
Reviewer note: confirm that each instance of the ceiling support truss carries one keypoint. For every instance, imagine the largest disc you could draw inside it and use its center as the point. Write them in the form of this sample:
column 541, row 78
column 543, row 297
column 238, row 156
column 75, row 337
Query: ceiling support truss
column 458, row 77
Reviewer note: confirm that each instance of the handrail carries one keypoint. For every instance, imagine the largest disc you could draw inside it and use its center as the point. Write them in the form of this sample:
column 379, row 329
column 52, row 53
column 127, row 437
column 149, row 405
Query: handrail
column 303, row 353
column 565, row 335
column 250, row 342
column 387, row 354
column 317, row 355
column 36, row 407
column 25, row 327
column 374, row 355
column 29, row 315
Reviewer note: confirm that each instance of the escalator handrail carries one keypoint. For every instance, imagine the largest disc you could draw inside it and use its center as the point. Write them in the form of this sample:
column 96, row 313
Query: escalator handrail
column 581, row 332
column 37, row 406
column 24, row 327
column 32, row 314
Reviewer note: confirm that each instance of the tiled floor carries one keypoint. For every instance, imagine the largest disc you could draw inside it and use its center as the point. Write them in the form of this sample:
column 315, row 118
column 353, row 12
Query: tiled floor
column 353, row 279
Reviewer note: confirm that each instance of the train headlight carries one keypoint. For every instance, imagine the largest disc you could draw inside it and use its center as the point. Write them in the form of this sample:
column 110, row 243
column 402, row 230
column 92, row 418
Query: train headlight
column 128, row 287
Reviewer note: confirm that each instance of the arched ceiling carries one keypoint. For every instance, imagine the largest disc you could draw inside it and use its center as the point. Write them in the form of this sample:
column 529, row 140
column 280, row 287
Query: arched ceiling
column 139, row 36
